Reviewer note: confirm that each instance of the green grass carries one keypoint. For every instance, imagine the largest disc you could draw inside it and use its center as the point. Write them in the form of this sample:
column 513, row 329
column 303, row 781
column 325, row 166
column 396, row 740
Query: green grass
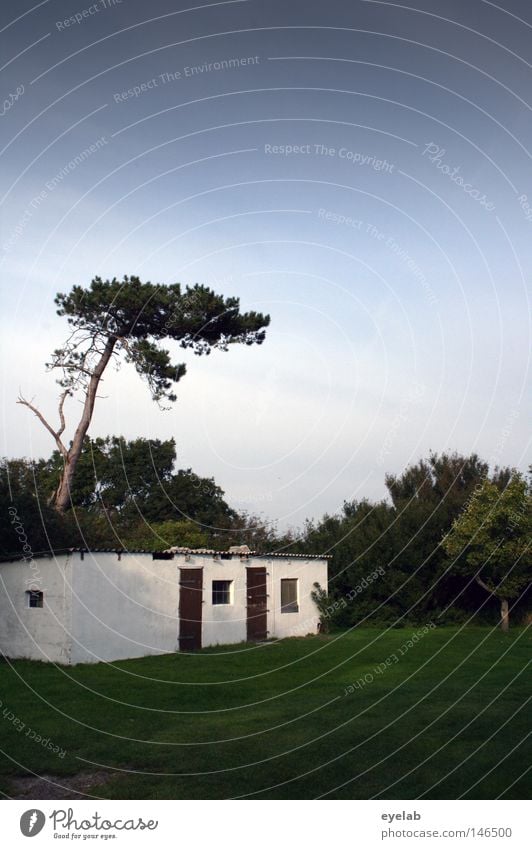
column 273, row 721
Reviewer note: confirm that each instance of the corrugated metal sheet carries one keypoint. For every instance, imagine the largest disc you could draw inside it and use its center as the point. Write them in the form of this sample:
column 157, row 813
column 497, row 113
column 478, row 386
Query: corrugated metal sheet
column 199, row 552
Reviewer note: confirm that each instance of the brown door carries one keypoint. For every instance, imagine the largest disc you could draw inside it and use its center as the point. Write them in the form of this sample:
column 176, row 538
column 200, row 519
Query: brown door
column 190, row 609
column 256, row 605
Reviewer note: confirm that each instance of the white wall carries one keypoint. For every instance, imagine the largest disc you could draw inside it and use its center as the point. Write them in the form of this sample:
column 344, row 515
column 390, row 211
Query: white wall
column 307, row 572
column 224, row 624
column 33, row 632
column 123, row 608
column 102, row 608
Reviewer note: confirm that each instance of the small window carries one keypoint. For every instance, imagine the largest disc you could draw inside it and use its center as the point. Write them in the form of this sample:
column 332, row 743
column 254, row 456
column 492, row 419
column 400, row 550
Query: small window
column 221, row 592
column 289, row 603
column 35, row 598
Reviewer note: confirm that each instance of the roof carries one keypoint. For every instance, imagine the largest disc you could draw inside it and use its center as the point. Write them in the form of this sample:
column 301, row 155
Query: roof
column 248, row 553
column 268, row 555
column 210, row 552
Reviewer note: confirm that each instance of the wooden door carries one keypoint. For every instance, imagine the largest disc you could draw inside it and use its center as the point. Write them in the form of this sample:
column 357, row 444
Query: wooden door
column 257, row 622
column 190, row 609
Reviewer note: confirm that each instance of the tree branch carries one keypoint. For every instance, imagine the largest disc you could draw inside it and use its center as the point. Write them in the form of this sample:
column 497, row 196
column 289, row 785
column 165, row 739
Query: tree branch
column 62, row 400
column 56, row 434
column 483, row 585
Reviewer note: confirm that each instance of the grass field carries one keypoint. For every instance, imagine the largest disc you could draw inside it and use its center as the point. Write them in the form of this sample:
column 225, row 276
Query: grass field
column 448, row 719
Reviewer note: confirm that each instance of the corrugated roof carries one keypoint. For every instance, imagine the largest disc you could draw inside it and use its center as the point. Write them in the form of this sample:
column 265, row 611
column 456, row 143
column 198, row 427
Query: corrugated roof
column 7, row 558
column 270, row 554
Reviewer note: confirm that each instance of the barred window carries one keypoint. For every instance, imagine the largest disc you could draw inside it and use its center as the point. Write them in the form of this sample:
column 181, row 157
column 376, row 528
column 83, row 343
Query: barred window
column 35, row 598
column 289, row 600
column 221, row 592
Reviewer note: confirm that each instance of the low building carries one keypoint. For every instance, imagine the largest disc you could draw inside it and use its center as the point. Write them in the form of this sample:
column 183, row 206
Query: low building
column 89, row 606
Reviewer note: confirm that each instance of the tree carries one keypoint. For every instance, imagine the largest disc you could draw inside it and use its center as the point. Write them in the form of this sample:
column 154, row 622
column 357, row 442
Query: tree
column 403, row 538
column 428, row 496
column 134, row 480
column 128, row 319
column 27, row 525
column 112, row 472
column 490, row 541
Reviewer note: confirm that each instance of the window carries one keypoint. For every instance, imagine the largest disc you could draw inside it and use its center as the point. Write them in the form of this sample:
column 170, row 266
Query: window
column 289, row 602
column 221, row 592
column 35, row 598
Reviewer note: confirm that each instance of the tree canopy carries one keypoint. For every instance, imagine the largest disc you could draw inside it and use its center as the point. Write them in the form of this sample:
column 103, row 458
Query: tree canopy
column 403, row 537
column 128, row 320
column 490, row 541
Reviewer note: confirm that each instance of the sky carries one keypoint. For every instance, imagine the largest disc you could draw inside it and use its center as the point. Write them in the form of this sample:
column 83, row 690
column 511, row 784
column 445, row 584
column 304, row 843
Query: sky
column 360, row 171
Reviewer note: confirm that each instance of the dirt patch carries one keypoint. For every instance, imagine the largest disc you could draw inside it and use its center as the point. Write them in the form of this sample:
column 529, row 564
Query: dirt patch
column 84, row 785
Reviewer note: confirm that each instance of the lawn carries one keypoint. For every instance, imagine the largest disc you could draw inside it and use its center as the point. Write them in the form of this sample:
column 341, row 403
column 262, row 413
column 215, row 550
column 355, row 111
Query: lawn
column 447, row 719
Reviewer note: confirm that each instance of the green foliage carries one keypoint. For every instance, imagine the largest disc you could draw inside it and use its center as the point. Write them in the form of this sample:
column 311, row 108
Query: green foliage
column 322, row 600
column 427, row 498
column 135, row 479
column 162, row 535
column 491, row 540
column 402, row 540
column 25, row 518
column 361, row 541
column 133, row 318
column 112, row 471
column 126, row 494
column 187, row 496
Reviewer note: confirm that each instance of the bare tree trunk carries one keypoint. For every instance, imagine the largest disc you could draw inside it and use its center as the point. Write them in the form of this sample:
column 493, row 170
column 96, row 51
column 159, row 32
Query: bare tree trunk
column 62, row 497
column 505, row 615
column 505, row 611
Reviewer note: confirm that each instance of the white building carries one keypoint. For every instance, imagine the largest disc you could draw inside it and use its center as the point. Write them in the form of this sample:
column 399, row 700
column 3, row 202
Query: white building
column 84, row 607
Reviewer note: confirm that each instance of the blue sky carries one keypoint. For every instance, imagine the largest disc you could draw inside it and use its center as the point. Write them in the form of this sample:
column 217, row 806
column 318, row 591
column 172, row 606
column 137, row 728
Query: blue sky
column 359, row 171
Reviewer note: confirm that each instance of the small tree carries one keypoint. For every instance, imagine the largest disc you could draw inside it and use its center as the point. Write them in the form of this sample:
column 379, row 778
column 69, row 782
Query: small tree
column 491, row 541
column 128, row 319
